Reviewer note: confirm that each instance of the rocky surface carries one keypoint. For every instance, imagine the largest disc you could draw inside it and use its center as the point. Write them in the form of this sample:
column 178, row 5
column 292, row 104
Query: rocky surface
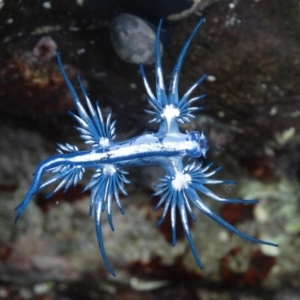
column 249, row 49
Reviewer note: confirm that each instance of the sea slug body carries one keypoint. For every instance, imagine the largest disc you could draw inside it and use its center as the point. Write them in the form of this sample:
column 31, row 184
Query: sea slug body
column 182, row 183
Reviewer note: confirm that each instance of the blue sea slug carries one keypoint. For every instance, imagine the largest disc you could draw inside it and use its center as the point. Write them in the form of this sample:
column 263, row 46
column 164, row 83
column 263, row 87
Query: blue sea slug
column 182, row 184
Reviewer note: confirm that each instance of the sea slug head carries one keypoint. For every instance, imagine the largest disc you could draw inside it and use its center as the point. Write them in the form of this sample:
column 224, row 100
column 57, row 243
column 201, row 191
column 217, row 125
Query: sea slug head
column 201, row 144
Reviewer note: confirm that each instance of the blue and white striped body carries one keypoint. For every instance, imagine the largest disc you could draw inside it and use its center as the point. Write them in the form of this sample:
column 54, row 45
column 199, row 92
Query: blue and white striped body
column 167, row 148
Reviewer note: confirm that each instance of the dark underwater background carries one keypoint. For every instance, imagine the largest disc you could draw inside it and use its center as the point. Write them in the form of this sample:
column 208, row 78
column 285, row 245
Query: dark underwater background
column 251, row 116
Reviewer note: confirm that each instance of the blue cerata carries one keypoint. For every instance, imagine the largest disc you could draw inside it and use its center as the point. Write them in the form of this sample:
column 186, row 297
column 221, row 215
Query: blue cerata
column 182, row 183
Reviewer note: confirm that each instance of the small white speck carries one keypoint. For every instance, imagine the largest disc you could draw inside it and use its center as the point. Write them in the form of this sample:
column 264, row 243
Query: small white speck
column 45, row 29
column 269, row 151
column 231, row 5
column 80, row 51
column 10, row 21
column 264, row 86
column 1, row 3
column 80, row 2
column 3, row 293
column 42, row 288
column 140, row 285
column 260, row 213
column 221, row 114
column 74, row 28
column 295, row 114
column 230, row 20
column 211, row 78
column 283, row 137
column 273, row 111
column 47, row 5
column 289, row 133
column 133, row 86
column 223, row 235
column 270, row 251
